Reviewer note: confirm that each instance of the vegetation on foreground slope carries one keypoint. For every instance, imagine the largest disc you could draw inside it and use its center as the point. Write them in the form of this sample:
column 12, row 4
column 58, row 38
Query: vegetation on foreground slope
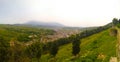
column 96, row 48
column 95, row 45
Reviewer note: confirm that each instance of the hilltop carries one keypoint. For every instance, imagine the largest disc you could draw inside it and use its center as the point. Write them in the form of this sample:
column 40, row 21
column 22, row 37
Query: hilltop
column 44, row 24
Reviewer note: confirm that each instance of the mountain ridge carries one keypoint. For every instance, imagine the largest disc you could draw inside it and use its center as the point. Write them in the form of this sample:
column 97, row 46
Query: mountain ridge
column 40, row 23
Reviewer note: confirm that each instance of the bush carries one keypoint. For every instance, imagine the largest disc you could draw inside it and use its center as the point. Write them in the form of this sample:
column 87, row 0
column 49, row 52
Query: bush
column 34, row 50
column 76, row 45
column 113, row 32
column 3, row 50
column 23, row 38
column 118, row 25
column 53, row 49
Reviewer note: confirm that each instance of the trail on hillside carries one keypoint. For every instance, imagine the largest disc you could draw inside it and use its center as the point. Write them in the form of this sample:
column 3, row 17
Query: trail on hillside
column 113, row 59
column 117, row 59
column 118, row 45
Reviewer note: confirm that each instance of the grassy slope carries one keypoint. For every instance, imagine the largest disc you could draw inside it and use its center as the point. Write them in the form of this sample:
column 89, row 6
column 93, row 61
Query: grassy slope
column 91, row 47
column 101, row 43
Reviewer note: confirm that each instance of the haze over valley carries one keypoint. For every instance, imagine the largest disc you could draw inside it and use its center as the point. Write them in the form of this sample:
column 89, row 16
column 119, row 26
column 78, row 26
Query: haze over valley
column 59, row 31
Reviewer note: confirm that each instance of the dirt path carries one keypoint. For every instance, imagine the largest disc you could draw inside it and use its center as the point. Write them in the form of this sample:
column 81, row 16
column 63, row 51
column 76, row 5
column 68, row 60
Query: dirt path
column 117, row 59
column 118, row 45
column 113, row 59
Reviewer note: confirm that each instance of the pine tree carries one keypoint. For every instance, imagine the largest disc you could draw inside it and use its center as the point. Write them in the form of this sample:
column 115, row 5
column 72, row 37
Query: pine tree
column 115, row 21
column 76, row 45
column 54, row 49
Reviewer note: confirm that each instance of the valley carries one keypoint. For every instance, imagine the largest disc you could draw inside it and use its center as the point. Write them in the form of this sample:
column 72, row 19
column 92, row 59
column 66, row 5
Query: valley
column 28, row 43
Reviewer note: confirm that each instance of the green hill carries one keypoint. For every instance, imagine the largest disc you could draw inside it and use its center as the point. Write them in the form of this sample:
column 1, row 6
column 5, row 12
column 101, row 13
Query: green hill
column 99, row 47
column 22, row 33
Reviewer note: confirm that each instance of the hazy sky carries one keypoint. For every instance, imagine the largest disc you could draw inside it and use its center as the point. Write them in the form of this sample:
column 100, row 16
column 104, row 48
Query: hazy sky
column 67, row 12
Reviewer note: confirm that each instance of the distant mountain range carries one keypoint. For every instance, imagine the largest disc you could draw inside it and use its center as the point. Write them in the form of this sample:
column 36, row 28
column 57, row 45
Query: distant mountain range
column 46, row 24
column 51, row 25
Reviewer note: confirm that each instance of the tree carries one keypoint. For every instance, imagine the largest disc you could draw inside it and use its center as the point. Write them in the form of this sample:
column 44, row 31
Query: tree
column 34, row 50
column 119, row 20
column 3, row 50
column 54, row 49
column 16, row 51
column 115, row 21
column 23, row 38
column 76, row 45
column 113, row 32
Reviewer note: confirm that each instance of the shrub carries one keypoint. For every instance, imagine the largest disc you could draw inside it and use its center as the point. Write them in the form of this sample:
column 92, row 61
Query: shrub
column 54, row 49
column 113, row 32
column 34, row 50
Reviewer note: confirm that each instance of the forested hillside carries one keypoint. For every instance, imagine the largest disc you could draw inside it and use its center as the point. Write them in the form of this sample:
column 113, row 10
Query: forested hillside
column 23, row 33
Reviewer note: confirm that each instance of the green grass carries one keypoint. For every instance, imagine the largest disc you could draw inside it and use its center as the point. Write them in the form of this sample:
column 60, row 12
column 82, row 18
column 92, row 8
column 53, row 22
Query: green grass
column 91, row 48
column 101, row 43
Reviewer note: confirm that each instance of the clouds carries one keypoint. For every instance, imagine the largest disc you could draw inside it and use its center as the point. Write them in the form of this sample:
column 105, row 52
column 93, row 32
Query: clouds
column 68, row 12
